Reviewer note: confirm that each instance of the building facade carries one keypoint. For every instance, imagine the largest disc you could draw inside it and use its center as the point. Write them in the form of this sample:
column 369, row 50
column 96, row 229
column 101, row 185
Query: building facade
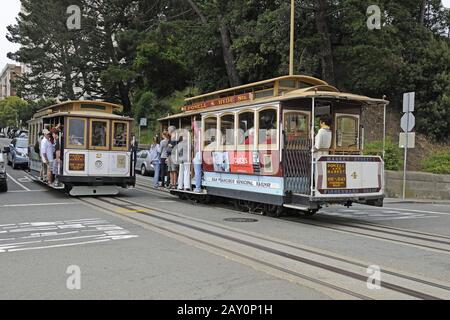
column 7, row 76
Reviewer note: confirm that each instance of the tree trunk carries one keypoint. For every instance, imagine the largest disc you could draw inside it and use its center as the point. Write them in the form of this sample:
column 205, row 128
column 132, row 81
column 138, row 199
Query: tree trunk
column 124, row 92
column 423, row 5
column 228, row 57
column 68, row 85
column 124, row 88
column 198, row 11
column 326, row 52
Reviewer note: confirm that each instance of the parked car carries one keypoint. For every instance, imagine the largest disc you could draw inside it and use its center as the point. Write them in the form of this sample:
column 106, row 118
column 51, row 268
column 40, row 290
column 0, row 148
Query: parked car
column 3, row 177
column 21, row 134
column 2, row 135
column 12, row 133
column 18, row 153
column 143, row 164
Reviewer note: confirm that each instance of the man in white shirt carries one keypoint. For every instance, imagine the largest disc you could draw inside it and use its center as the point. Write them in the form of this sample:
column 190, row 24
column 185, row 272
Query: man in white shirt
column 323, row 139
column 42, row 148
column 49, row 155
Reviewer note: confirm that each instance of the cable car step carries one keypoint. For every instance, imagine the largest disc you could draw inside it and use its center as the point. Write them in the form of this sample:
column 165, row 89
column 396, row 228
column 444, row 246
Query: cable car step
column 177, row 191
column 78, row 191
column 296, row 207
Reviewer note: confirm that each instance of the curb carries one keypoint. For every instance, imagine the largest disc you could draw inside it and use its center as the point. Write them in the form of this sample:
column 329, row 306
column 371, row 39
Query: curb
column 417, row 201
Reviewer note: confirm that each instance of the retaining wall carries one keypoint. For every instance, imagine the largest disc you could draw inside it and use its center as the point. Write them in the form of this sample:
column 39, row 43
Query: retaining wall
column 419, row 185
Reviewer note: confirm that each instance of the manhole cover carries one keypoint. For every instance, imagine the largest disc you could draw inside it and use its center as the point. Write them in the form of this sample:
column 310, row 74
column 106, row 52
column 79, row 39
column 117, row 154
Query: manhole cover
column 240, row 220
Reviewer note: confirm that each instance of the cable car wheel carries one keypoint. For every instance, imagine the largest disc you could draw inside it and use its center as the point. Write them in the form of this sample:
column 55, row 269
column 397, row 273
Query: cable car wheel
column 272, row 210
column 67, row 188
column 310, row 212
column 241, row 205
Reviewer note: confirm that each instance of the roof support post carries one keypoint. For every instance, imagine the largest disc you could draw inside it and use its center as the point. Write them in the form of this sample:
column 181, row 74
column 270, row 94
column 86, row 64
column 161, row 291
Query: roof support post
column 313, row 160
column 291, row 53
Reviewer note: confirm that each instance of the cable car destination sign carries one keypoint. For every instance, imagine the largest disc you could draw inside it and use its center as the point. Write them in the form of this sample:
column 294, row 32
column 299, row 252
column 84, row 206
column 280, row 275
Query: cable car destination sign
column 218, row 102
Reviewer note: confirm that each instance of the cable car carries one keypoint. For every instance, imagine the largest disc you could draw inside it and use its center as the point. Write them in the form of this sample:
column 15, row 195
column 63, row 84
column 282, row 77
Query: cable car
column 257, row 145
column 95, row 147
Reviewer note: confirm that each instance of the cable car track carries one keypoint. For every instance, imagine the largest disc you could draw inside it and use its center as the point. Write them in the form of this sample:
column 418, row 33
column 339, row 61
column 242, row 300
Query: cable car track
column 257, row 246
column 423, row 240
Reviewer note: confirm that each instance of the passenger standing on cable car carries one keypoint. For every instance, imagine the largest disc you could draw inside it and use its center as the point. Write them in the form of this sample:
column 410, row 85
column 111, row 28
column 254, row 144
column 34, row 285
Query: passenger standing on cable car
column 184, row 161
column 172, row 159
column 164, row 147
column 324, row 136
column 57, row 155
column 198, row 171
column 155, row 160
column 49, row 156
column 42, row 146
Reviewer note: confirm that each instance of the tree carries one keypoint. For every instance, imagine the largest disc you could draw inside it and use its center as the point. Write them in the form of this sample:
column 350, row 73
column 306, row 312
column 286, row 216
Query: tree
column 51, row 49
column 12, row 109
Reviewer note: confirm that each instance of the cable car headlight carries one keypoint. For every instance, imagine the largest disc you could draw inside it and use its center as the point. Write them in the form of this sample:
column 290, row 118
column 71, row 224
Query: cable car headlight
column 98, row 164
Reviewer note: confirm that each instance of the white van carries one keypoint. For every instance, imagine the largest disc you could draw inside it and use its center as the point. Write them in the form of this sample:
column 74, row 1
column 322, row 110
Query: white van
column 3, row 178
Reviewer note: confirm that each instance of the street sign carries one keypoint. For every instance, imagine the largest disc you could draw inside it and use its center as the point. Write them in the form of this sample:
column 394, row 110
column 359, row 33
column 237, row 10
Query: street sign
column 408, row 122
column 409, row 138
column 408, row 101
column 143, row 122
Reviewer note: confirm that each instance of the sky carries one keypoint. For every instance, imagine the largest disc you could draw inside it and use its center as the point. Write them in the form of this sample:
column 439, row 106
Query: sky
column 8, row 14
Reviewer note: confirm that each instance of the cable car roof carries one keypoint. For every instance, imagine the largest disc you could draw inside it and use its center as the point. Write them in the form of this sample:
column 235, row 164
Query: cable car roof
column 322, row 90
column 78, row 105
column 306, row 79
column 87, row 114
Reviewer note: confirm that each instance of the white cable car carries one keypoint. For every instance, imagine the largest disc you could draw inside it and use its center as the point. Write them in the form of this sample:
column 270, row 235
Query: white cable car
column 95, row 147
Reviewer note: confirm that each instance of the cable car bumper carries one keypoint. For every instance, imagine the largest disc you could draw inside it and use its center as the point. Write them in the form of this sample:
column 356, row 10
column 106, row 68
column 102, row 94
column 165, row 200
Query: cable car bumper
column 98, row 181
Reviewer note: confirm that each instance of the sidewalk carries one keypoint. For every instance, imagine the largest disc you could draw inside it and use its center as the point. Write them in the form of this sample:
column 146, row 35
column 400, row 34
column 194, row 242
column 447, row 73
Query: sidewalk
column 422, row 201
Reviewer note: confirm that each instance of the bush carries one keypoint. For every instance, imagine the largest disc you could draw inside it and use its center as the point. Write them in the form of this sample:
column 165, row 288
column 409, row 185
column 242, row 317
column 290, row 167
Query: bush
column 393, row 156
column 438, row 163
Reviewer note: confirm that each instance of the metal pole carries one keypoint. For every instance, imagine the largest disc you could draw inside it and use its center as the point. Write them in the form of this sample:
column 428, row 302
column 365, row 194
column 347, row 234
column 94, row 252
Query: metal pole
column 139, row 140
column 406, row 154
column 313, row 107
column 404, row 167
column 291, row 54
column 384, row 131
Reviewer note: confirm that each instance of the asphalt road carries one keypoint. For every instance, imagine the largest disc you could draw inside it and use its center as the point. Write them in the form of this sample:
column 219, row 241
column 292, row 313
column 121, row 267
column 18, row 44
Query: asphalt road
column 147, row 244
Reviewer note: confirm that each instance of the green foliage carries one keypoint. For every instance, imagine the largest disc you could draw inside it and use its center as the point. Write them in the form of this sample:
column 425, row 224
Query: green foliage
column 147, row 105
column 393, row 155
column 159, row 56
column 438, row 163
column 13, row 110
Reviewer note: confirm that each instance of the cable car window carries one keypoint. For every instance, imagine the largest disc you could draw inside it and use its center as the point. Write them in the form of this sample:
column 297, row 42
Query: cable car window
column 120, row 135
column 347, row 128
column 99, row 134
column 246, row 127
column 296, row 125
column 76, row 136
column 227, row 130
column 267, row 127
column 210, row 136
column 287, row 83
